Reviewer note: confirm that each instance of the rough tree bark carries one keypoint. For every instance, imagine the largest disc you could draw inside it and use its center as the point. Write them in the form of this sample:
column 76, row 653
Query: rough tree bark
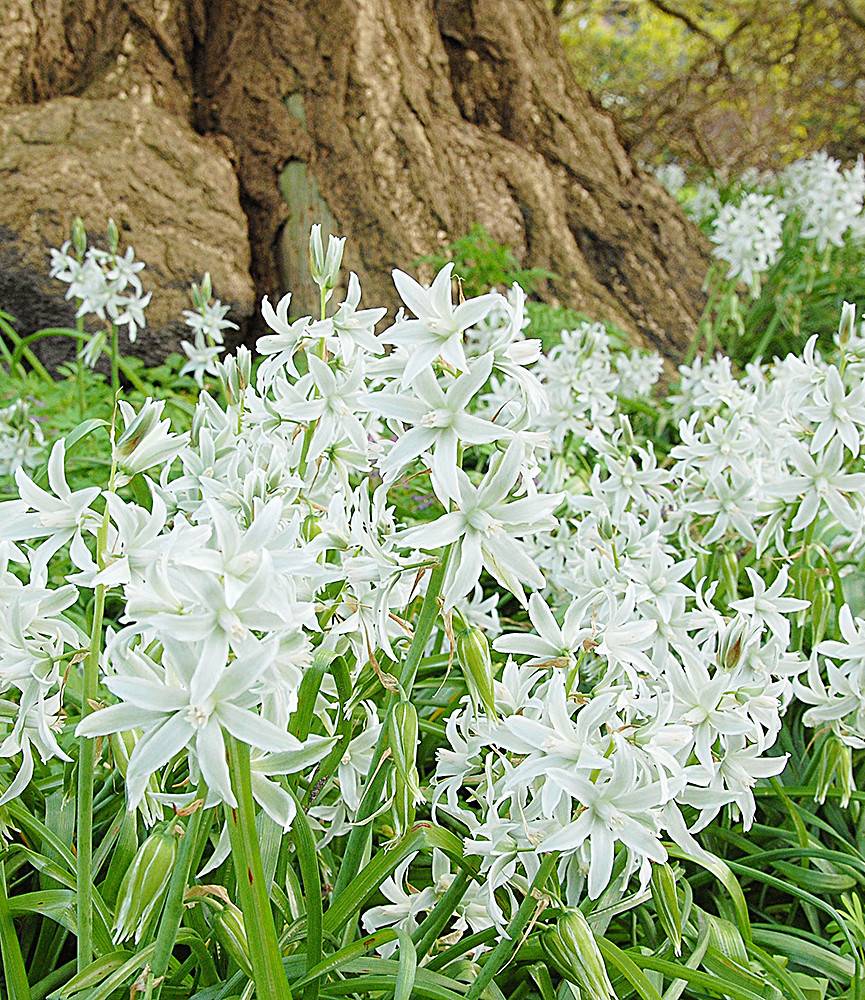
column 398, row 123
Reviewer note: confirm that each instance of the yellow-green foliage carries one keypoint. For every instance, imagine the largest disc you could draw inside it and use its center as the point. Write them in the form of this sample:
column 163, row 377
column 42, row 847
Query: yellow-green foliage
column 725, row 83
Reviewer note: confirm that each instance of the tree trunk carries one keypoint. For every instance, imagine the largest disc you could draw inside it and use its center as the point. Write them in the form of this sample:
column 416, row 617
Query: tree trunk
column 398, row 123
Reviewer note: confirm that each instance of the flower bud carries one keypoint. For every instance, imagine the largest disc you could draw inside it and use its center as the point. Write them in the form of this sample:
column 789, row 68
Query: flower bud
column 311, row 527
column 835, row 769
column 847, row 325
column 201, row 294
column 113, row 236
column 146, row 439
column 324, row 267
column 821, row 608
column 666, row 900
column 473, row 654
column 79, row 236
column 402, row 740
column 92, row 350
column 231, row 935
column 730, row 575
column 570, row 947
column 144, row 885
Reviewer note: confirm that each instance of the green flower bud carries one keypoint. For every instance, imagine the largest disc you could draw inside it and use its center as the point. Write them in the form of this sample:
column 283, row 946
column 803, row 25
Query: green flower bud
column 730, row 575
column 324, row 267
column 144, row 885
column 231, row 935
column 79, row 236
column 666, row 900
column 835, row 770
column 570, row 947
column 311, row 527
column 847, row 326
column 473, row 654
column 402, row 741
column 113, row 236
column 201, row 294
column 821, row 609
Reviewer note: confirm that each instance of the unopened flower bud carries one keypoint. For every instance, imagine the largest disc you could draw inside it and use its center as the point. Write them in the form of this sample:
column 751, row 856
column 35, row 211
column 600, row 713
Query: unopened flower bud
column 311, row 527
column 146, row 440
column 231, row 934
column 79, row 236
column 202, row 293
column 666, row 900
column 324, row 267
column 847, row 325
column 144, row 885
column 570, row 946
column 402, row 740
column 113, row 236
column 821, row 608
column 835, row 770
column 730, row 575
column 473, row 654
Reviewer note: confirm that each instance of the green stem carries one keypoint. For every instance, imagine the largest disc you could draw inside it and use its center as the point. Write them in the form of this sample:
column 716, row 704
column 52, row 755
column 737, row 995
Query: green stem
column 87, row 759
column 187, row 859
column 428, row 931
column 14, row 972
column 507, row 945
column 307, row 857
column 357, row 839
column 79, row 374
column 115, row 361
column 270, row 981
column 86, row 764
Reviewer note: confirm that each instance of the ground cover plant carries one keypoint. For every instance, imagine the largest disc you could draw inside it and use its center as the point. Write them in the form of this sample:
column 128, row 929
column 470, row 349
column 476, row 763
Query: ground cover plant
column 403, row 657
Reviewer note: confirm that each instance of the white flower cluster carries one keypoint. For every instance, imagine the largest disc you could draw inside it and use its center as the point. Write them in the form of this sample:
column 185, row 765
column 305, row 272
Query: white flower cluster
column 828, row 197
column 22, row 442
column 208, row 324
column 747, row 236
column 824, row 198
column 671, row 176
column 105, row 283
column 274, row 558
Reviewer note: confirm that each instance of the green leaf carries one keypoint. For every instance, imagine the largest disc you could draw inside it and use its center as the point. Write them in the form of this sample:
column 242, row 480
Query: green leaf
column 407, row 967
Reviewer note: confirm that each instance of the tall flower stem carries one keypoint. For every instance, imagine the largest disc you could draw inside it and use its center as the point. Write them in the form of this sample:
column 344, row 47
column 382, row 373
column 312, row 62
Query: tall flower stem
column 86, row 763
column 87, row 758
column 115, row 361
column 264, row 953
column 14, row 971
column 187, row 860
column 511, row 941
column 357, row 839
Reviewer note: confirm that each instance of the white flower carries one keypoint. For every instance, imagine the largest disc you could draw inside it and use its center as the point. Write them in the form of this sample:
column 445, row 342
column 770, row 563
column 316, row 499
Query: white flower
column 768, row 603
column 550, row 642
column 146, row 439
column 440, row 423
column 616, row 807
column 55, row 517
column 837, row 412
column 487, row 527
column 748, row 236
column 439, row 327
column 177, row 704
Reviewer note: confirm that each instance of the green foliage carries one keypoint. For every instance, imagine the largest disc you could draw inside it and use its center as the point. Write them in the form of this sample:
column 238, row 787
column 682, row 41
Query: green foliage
column 723, row 83
column 481, row 263
column 774, row 914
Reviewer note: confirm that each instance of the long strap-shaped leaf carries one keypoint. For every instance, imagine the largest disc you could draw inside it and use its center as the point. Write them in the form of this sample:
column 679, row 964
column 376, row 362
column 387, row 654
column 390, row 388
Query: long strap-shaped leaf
column 14, row 972
column 422, row 836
